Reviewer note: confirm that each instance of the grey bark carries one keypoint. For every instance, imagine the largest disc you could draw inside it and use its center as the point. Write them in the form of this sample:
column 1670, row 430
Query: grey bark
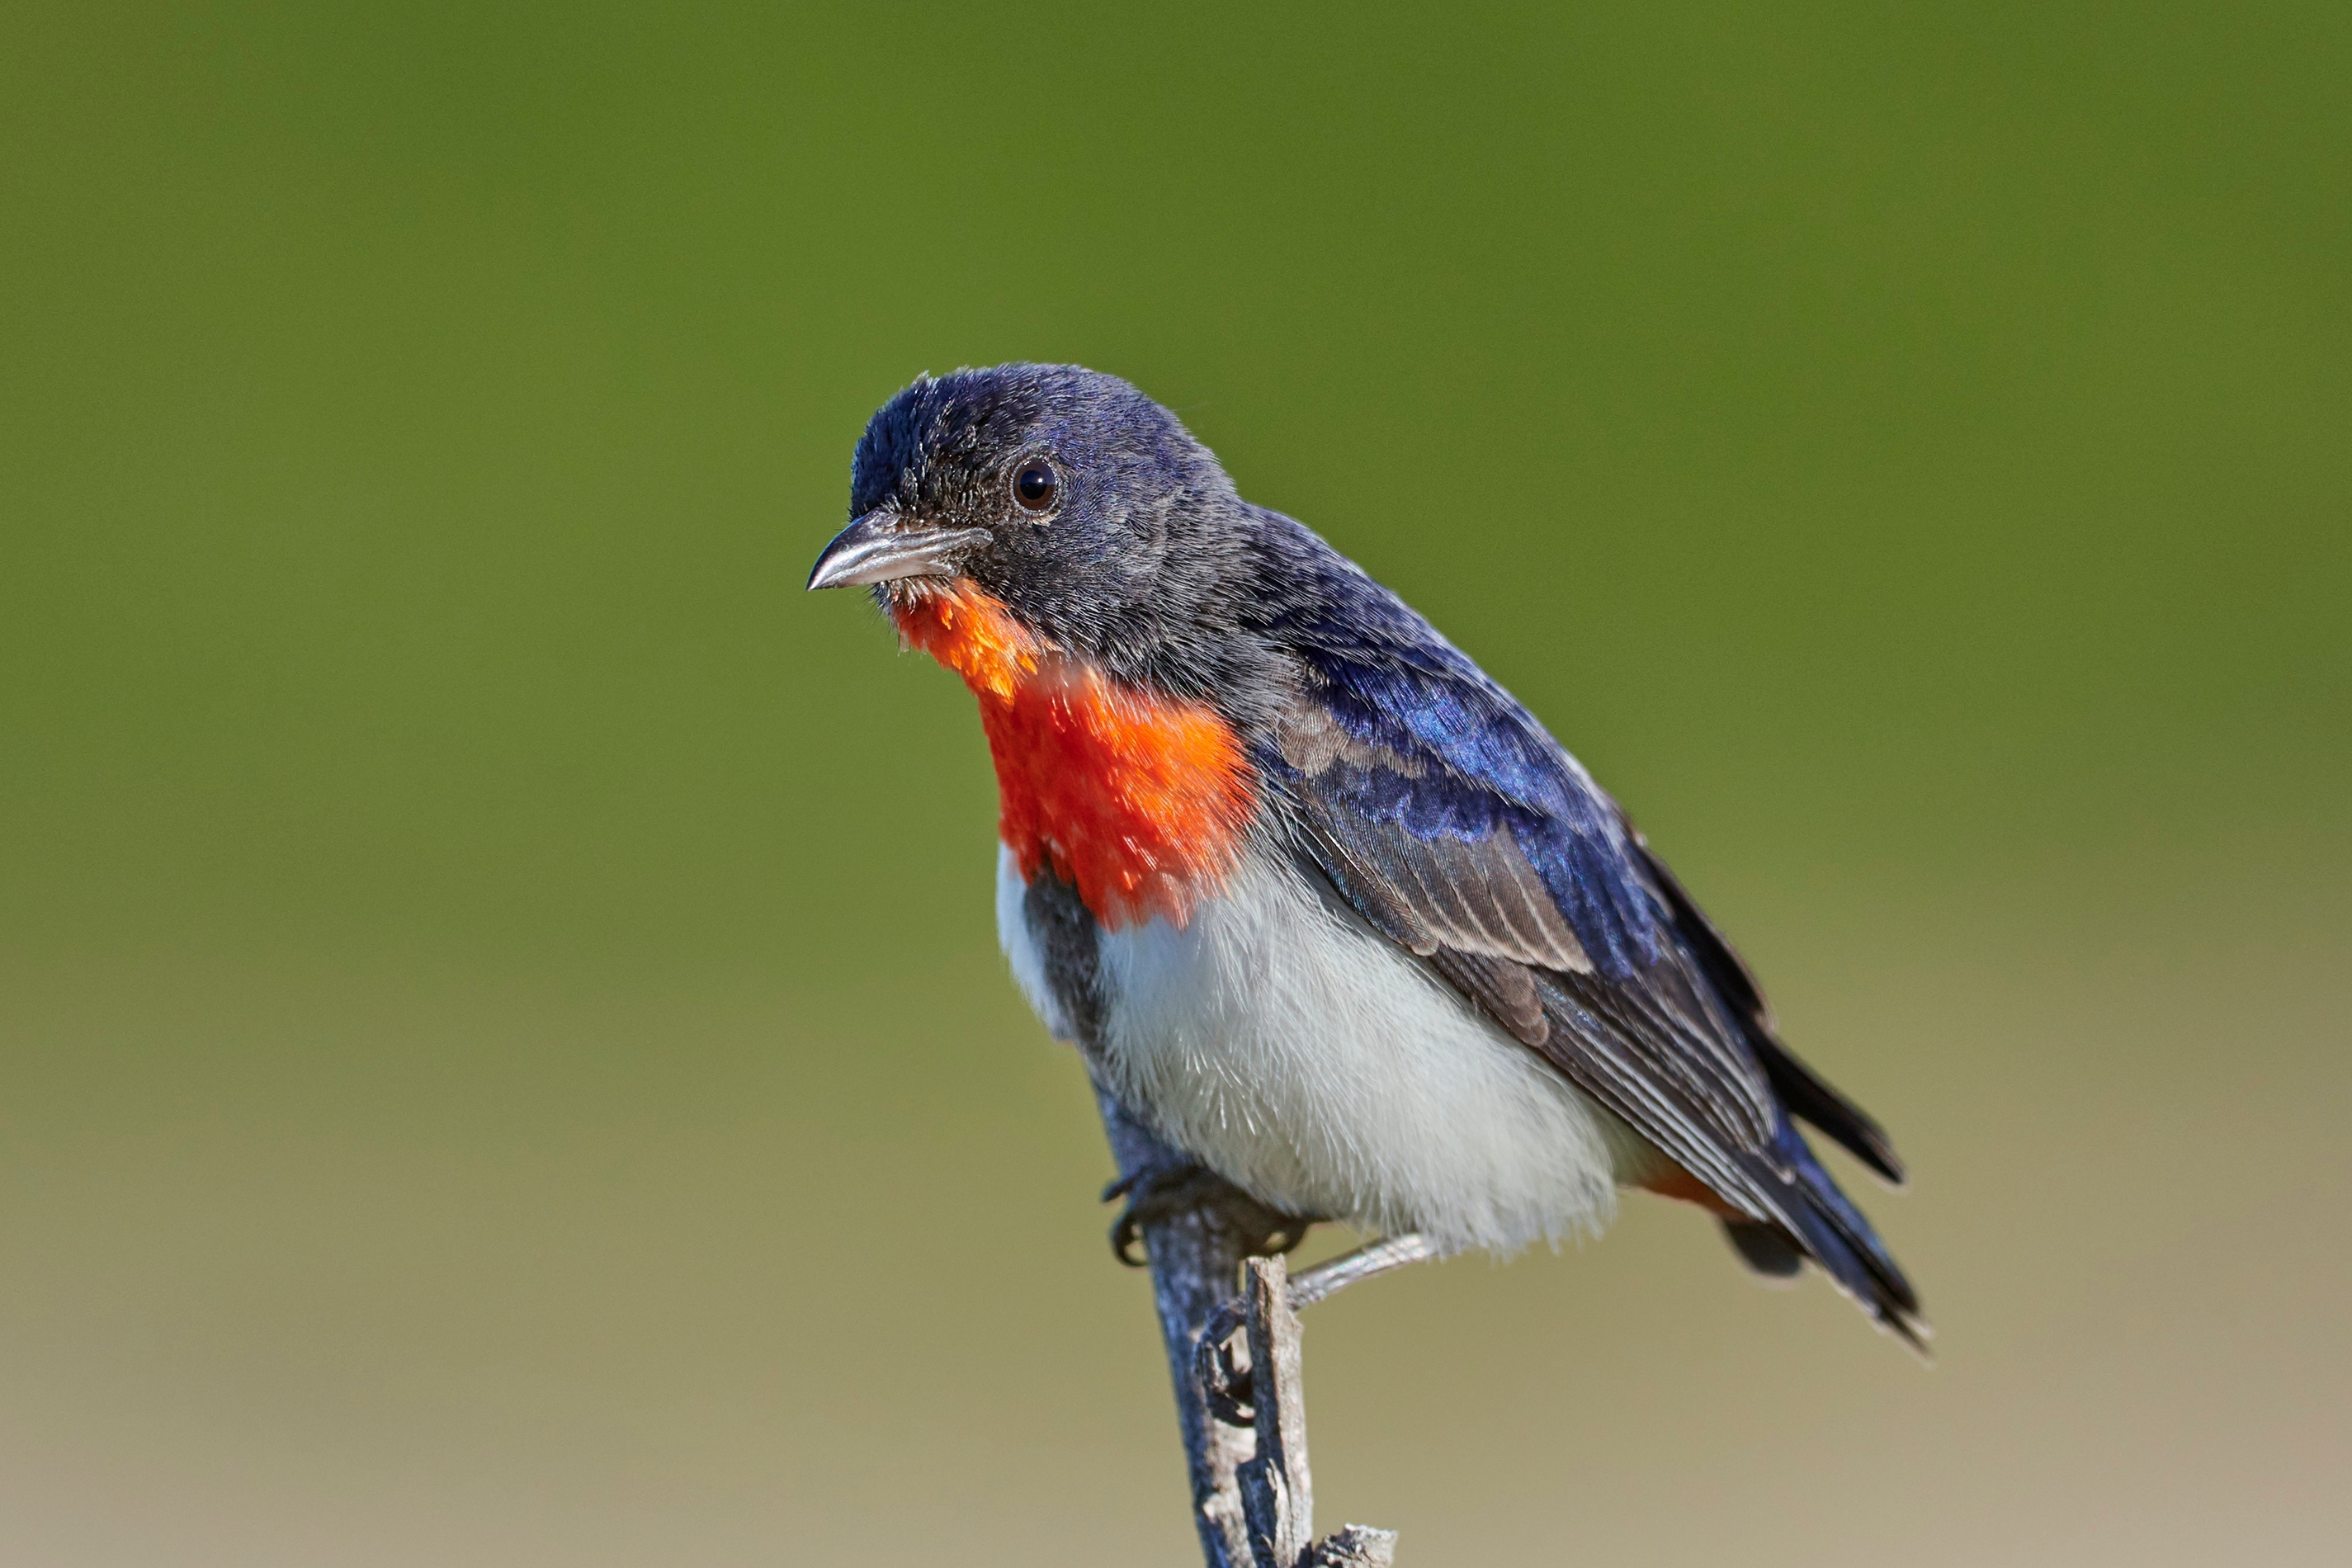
column 1253, row 1495
column 1195, row 1259
column 1277, row 1489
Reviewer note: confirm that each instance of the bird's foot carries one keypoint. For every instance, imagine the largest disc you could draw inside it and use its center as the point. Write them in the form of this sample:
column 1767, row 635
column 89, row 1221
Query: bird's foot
column 1225, row 1376
column 1159, row 1193
column 1223, row 1366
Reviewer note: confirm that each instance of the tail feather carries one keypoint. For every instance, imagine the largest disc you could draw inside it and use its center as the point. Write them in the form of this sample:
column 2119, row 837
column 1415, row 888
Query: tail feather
column 1809, row 1096
column 1805, row 1092
column 1834, row 1234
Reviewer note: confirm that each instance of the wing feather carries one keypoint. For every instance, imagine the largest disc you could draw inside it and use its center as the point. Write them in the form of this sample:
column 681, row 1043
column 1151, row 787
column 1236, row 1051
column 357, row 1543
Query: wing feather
column 1679, row 1048
column 1459, row 828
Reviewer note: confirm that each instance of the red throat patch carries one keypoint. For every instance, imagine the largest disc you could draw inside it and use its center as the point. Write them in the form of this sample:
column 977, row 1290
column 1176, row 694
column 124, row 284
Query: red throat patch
column 1137, row 800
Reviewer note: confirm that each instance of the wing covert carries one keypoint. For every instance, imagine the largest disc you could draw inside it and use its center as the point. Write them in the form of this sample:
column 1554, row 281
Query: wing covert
column 1436, row 860
column 1458, row 827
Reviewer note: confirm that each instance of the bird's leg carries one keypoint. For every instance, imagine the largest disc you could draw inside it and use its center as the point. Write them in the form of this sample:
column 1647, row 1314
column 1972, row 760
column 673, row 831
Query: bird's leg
column 1159, row 1192
column 1225, row 1381
column 1336, row 1274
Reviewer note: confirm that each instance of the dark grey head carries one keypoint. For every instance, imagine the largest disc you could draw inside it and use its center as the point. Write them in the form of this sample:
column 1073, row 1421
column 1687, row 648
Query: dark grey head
column 1085, row 507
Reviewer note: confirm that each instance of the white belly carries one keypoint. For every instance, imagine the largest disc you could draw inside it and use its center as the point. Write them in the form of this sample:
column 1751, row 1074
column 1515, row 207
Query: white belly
column 1284, row 1044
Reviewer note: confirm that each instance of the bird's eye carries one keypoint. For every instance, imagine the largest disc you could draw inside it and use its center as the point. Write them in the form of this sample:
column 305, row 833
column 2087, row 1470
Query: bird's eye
column 1035, row 484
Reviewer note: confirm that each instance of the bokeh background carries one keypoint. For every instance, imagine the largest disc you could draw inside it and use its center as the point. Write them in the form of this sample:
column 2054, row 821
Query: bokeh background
column 503, row 1058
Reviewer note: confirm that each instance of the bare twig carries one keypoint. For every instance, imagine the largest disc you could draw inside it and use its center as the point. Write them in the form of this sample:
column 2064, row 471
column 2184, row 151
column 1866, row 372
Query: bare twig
column 1194, row 1260
column 1253, row 1494
column 1277, row 1490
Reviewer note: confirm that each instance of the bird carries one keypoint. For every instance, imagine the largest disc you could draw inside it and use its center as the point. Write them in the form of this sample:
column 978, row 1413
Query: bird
column 1317, row 899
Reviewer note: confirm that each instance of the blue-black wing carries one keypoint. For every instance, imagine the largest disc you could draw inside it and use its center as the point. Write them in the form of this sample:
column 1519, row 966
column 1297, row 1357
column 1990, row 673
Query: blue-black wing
column 1446, row 815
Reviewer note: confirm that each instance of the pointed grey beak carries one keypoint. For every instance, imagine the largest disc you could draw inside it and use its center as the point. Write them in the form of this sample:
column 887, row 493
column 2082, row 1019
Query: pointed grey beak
column 880, row 548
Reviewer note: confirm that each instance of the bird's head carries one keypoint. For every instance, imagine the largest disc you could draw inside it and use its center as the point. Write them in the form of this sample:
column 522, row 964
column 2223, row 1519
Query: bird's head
column 1064, row 495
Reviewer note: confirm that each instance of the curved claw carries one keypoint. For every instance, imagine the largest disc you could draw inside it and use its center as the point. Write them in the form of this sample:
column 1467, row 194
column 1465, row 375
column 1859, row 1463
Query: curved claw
column 1155, row 1193
column 1225, row 1383
column 1127, row 1228
column 1125, row 1236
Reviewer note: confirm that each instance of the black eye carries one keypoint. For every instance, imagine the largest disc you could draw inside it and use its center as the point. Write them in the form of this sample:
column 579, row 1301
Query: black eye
column 1035, row 484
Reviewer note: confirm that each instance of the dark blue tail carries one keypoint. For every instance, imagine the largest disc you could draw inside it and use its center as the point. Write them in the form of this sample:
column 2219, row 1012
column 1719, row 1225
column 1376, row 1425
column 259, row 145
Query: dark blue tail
column 1823, row 1224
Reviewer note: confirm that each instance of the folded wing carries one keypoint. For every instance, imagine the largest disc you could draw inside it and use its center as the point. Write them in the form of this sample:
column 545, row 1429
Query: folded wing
column 1458, row 827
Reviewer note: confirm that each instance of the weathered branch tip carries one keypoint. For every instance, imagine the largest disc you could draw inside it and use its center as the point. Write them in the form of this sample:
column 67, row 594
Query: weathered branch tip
column 1239, row 1401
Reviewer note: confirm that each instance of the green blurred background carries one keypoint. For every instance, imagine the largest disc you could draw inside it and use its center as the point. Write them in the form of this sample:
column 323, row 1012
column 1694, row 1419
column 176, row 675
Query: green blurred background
column 503, row 1058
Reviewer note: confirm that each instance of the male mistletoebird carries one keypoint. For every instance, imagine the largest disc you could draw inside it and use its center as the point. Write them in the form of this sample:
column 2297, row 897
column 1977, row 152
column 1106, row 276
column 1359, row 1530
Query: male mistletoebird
column 1318, row 900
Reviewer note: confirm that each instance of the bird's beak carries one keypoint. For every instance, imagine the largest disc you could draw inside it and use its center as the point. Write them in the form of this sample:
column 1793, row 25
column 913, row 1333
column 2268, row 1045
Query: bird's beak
column 880, row 548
